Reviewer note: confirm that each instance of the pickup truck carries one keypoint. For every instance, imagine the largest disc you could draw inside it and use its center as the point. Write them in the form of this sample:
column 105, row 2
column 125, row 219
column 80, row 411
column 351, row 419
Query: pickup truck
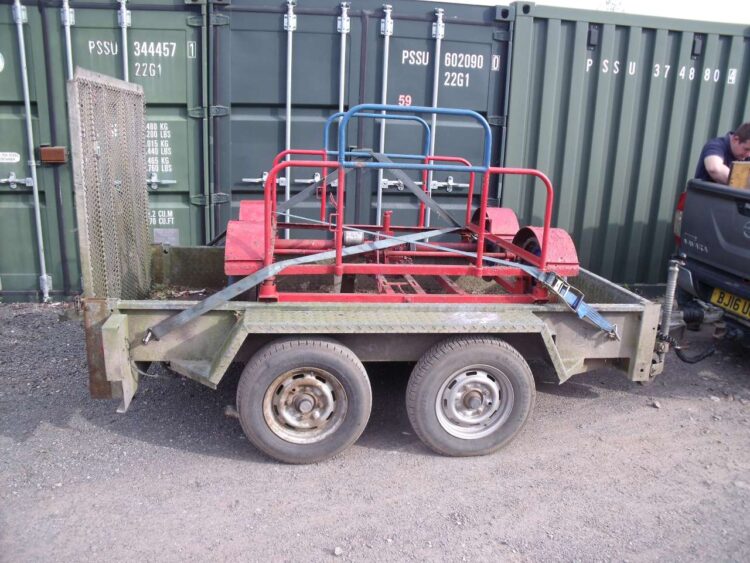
column 712, row 225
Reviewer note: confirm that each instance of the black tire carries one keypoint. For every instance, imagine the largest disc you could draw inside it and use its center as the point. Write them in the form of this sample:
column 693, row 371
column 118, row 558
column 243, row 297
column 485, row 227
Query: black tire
column 290, row 382
column 479, row 369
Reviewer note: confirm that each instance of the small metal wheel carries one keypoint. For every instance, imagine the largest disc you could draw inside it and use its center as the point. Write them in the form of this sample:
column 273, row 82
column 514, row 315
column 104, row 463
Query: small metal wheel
column 303, row 401
column 469, row 395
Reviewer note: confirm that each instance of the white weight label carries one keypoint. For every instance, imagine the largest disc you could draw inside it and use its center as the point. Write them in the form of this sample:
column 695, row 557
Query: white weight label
column 10, row 157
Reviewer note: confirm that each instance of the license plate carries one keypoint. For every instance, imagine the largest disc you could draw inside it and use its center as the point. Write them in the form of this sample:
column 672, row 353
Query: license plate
column 732, row 303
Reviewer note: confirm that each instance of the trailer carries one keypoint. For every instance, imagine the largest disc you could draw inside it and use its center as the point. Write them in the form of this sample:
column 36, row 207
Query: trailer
column 471, row 303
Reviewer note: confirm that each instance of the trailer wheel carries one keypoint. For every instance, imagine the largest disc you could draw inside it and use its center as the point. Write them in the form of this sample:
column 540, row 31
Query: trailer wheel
column 469, row 395
column 303, row 401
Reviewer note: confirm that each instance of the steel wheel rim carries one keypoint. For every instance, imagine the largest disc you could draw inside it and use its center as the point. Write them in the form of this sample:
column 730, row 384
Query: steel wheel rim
column 305, row 405
column 474, row 402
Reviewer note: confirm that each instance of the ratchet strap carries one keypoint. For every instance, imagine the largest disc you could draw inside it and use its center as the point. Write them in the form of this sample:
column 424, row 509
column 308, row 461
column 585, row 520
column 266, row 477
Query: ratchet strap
column 568, row 294
column 217, row 299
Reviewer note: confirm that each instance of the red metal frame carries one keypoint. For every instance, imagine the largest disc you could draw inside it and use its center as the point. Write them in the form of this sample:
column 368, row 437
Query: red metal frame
column 396, row 261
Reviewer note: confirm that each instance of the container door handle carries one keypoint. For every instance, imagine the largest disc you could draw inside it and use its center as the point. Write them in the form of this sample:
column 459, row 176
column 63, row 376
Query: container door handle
column 13, row 181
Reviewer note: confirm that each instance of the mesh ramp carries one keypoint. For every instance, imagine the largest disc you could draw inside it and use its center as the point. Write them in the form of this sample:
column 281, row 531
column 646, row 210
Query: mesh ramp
column 108, row 143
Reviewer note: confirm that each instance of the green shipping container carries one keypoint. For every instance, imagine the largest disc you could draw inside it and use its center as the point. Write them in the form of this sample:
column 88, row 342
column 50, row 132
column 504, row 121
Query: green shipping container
column 614, row 109
column 166, row 56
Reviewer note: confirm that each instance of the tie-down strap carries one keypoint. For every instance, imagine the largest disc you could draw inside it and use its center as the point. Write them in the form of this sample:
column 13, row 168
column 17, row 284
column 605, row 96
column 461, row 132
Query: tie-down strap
column 217, row 299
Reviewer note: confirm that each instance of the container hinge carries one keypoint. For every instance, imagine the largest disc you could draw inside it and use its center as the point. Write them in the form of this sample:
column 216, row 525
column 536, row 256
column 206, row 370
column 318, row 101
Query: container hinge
column 68, row 16
column 592, row 40
column 215, row 20
column 202, row 200
column 386, row 24
column 499, row 120
column 19, row 14
column 501, row 35
column 697, row 49
column 219, row 19
column 213, row 111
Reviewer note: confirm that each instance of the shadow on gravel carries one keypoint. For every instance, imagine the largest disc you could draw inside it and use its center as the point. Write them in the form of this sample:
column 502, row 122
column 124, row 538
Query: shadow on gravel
column 181, row 414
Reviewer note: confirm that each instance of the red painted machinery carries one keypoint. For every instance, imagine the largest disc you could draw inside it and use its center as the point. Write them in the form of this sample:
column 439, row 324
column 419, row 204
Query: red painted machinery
column 487, row 244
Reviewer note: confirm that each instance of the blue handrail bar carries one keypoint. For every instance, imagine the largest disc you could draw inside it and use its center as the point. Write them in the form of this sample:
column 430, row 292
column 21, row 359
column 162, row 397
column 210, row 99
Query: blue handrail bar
column 413, row 109
column 335, row 116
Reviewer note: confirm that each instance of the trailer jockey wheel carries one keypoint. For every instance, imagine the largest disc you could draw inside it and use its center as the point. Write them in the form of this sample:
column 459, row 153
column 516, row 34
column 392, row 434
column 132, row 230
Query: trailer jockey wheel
column 469, row 395
column 303, row 400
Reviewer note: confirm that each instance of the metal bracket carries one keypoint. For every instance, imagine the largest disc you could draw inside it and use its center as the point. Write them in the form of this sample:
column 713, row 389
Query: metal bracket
column 123, row 15
column 499, row 120
column 386, row 24
column 501, row 36
column 449, row 184
column 315, row 179
column 398, row 184
column 290, row 18
column 68, row 16
column 219, row 198
column 19, row 14
column 262, row 180
column 344, row 22
column 153, row 182
column 219, row 19
column 438, row 28
column 13, row 181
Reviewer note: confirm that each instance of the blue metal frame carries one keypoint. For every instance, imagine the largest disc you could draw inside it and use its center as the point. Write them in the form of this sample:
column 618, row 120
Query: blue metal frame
column 335, row 116
column 407, row 166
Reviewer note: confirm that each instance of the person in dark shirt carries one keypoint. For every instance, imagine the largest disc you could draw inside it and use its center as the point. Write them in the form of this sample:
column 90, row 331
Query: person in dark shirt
column 719, row 153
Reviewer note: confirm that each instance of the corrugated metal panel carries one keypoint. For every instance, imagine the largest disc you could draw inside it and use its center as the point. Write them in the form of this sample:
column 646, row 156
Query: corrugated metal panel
column 615, row 109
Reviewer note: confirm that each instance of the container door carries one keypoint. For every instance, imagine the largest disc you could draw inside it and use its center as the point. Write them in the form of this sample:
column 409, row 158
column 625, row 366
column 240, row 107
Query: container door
column 471, row 74
column 164, row 56
column 252, row 54
column 19, row 258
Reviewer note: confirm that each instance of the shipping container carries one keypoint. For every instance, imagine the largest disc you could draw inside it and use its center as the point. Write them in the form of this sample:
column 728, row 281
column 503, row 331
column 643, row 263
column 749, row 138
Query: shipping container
column 615, row 108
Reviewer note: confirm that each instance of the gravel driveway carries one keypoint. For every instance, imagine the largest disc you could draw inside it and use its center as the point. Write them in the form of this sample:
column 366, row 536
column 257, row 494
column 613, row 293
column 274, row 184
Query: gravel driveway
column 605, row 469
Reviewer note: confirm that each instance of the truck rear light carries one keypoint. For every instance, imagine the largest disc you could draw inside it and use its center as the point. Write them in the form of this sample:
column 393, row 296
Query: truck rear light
column 677, row 225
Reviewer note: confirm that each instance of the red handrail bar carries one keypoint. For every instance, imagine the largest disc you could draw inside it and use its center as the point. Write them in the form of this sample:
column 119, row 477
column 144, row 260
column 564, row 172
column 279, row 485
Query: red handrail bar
column 547, row 208
column 324, row 171
column 269, row 200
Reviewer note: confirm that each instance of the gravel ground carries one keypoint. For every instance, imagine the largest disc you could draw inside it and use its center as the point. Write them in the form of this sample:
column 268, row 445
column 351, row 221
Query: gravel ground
column 604, row 470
